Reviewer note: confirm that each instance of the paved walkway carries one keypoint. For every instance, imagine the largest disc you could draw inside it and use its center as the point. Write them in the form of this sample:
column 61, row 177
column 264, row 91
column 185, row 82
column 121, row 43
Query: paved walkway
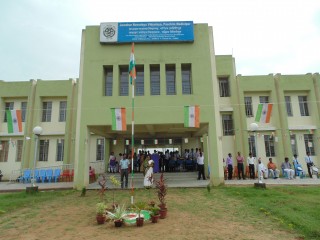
column 174, row 180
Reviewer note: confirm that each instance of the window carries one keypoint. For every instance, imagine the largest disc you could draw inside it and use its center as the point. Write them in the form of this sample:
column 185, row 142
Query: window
column 224, row 87
column 303, row 104
column 264, row 99
column 288, row 105
column 23, row 111
column 139, row 84
column 309, row 144
column 252, row 146
column 46, row 111
column 171, row 79
column 8, row 106
column 108, row 73
column 60, row 150
column 124, row 81
column 269, row 145
column 186, row 78
column 248, row 106
column 155, row 79
column 19, row 150
column 100, row 149
column 4, row 151
column 44, row 150
column 293, row 143
column 63, row 111
column 227, row 124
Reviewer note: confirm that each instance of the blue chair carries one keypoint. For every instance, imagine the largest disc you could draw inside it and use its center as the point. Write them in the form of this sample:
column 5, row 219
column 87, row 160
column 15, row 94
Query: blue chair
column 189, row 164
column 49, row 174
column 36, row 175
column 26, row 175
column 56, row 174
column 298, row 170
column 42, row 175
column 284, row 174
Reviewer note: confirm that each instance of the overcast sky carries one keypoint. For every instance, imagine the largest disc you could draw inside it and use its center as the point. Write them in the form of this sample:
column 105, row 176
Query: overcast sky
column 40, row 39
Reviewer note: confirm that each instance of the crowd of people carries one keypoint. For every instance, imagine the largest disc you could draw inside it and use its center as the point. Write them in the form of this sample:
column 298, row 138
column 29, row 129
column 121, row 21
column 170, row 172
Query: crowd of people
column 156, row 162
column 256, row 168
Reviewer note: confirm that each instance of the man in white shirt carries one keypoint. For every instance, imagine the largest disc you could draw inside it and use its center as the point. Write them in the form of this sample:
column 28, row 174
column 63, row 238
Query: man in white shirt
column 200, row 162
column 286, row 167
column 251, row 161
column 309, row 162
column 262, row 171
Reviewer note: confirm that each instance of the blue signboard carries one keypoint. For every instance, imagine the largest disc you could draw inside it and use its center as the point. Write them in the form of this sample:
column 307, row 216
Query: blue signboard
column 146, row 32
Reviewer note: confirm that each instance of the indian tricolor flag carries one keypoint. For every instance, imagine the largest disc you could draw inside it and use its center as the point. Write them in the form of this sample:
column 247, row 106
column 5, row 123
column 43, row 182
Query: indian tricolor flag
column 14, row 121
column 132, row 65
column 264, row 112
column 191, row 116
column 119, row 119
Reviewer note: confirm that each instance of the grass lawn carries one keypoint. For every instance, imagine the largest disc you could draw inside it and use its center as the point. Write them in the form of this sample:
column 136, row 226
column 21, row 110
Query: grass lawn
column 221, row 213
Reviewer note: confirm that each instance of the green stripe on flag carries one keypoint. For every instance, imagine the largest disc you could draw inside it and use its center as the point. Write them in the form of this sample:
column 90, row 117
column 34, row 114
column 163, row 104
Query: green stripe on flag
column 113, row 114
column 259, row 111
column 186, row 116
column 9, row 121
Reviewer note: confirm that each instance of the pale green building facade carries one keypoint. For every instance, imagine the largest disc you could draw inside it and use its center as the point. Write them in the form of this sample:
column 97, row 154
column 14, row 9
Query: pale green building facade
column 170, row 76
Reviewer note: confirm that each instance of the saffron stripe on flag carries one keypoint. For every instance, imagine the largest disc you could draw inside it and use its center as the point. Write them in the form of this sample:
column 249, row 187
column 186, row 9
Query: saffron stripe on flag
column 270, row 105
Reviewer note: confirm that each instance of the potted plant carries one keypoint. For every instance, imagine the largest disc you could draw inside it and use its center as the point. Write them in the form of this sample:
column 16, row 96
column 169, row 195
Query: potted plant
column 139, row 207
column 154, row 214
column 115, row 182
column 100, row 213
column 118, row 215
column 162, row 192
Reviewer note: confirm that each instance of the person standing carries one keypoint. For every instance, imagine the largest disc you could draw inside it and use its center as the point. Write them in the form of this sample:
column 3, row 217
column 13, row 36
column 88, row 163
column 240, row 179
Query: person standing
column 155, row 157
column 230, row 166
column 112, row 163
column 148, row 177
column 309, row 162
column 124, row 164
column 200, row 162
column 240, row 161
column 251, row 161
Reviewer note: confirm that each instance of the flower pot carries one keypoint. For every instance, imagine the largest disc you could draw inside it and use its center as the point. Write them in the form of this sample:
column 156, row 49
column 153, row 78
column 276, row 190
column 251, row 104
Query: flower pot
column 139, row 221
column 101, row 218
column 118, row 223
column 162, row 206
column 154, row 218
column 151, row 204
column 163, row 213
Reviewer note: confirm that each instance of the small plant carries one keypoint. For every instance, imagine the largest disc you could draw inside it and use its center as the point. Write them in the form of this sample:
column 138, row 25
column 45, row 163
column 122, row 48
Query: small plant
column 161, row 190
column 118, row 214
column 154, row 211
column 102, row 183
column 115, row 183
column 100, row 208
column 83, row 192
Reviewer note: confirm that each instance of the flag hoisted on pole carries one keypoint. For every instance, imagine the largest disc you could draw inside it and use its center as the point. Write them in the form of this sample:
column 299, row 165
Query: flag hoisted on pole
column 132, row 73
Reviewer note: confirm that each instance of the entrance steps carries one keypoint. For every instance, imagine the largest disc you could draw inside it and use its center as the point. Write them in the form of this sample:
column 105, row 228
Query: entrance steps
column 173, row 179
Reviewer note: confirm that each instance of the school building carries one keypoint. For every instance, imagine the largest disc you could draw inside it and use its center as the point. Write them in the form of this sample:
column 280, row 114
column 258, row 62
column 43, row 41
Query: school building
column 176, row 66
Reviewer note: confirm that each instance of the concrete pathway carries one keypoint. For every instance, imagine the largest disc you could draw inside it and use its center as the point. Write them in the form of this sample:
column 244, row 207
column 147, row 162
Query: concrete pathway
column 174, row 180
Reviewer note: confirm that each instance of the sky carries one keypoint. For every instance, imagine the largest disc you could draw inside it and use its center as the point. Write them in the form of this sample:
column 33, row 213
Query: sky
column 41, row 39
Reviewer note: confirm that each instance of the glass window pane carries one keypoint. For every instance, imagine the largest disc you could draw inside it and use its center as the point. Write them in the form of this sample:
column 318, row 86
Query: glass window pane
column 155, row 79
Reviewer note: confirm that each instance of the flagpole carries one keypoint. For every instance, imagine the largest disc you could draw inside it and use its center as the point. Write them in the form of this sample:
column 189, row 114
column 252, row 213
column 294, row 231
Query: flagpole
column 132, row 73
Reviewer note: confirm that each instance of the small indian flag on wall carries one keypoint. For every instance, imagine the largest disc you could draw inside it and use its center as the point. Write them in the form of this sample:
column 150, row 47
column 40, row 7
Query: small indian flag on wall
column 264, row 112
column 14, row 121
column 119, row 119
column 191, row 116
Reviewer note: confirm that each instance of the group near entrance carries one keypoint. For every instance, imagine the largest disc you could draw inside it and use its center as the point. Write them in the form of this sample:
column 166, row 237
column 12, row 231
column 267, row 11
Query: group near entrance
column 156, row 85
